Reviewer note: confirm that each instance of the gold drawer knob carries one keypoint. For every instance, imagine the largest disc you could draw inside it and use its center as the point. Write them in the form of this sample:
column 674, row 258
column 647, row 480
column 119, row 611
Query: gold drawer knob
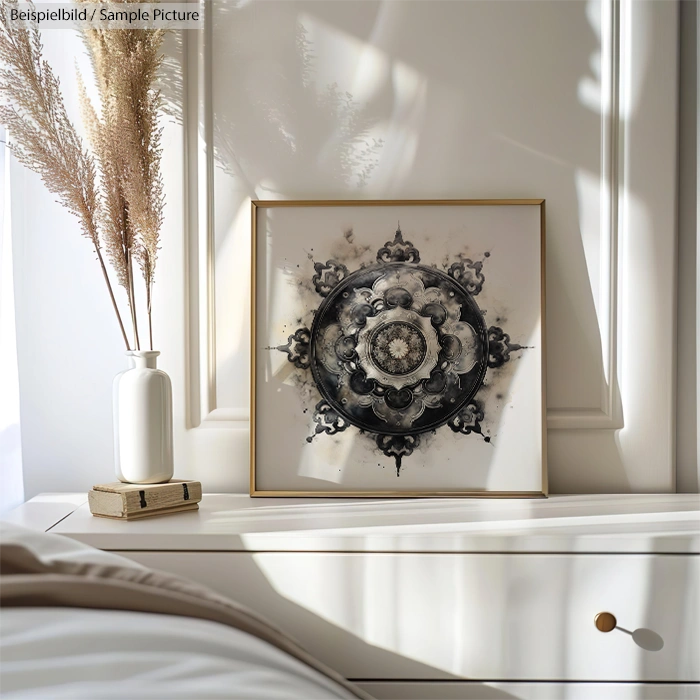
column 605, row 621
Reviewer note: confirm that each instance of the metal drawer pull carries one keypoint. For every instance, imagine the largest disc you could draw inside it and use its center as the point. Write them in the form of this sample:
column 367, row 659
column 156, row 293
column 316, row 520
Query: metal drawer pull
column 605, row 621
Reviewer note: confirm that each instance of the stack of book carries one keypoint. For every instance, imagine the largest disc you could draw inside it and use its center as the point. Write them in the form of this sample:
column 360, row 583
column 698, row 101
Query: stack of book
column 131, row 501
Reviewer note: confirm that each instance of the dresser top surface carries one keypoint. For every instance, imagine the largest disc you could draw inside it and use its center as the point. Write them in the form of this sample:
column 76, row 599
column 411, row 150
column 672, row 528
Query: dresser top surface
column 640, row 523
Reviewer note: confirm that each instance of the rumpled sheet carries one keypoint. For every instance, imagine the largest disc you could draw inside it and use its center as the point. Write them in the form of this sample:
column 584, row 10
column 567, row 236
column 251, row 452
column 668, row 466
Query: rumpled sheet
column 78, row 623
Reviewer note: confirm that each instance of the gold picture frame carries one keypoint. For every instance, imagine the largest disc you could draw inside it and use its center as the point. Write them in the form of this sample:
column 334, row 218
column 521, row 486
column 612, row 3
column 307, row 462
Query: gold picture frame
column 255, row 491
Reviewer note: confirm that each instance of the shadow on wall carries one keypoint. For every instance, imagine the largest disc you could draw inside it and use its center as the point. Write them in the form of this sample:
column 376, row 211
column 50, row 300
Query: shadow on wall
column 417, row 100
column 274, row 124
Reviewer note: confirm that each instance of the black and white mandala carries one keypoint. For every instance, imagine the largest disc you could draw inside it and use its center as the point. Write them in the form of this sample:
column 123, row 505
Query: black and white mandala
column 398, row 349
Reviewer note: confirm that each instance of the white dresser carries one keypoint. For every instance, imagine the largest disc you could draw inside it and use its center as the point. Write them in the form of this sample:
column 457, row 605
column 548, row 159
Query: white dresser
column 446, row 598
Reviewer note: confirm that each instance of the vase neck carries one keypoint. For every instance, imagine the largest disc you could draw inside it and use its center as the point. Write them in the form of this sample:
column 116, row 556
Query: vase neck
column 144, row 359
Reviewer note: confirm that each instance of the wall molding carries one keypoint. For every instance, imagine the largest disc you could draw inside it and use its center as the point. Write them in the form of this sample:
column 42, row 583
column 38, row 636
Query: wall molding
column 608, row 415
column 199, row 247
column 202, row 408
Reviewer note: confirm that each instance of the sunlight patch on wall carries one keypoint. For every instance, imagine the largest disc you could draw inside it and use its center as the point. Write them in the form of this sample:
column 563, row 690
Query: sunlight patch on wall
column 588, row 192
column 371, row 73
column 343, row 54
column 591, row 91
column 636, row 39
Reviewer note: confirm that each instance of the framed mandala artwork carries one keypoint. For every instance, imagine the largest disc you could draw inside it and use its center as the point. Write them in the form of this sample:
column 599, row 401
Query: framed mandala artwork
column 398, row 348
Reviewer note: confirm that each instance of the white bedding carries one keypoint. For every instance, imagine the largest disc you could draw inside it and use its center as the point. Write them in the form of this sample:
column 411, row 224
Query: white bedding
column 53, row 653
column 84, row 654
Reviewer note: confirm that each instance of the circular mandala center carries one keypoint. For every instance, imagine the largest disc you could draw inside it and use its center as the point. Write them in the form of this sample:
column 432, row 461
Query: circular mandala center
column 398, row 348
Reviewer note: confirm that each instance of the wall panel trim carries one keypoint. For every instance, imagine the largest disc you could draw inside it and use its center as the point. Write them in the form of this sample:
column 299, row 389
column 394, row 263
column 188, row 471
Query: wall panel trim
column 202, row 405
column 607, row 415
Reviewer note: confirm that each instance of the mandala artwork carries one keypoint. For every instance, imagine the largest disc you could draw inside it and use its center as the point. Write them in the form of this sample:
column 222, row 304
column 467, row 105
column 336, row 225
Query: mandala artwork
column 399, row 349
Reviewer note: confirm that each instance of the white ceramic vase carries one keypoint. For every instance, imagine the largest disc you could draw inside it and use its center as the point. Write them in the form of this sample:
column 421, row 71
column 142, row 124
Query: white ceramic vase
column 143, row 421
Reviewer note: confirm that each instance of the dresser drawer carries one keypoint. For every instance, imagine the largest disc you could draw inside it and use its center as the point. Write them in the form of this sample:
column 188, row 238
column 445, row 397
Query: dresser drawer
column 514, row 690
column 476, row 616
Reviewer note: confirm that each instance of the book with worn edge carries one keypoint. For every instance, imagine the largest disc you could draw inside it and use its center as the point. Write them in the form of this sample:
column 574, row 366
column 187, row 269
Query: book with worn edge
column 150, row 513
column 129, row 501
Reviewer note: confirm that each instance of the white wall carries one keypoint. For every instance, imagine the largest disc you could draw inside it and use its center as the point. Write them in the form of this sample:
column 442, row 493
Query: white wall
column 12, row 493
column 374, row 100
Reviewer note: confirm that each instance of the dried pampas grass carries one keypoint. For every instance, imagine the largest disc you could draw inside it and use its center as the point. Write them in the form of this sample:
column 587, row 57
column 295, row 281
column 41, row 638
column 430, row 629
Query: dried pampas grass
column 116, row 189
